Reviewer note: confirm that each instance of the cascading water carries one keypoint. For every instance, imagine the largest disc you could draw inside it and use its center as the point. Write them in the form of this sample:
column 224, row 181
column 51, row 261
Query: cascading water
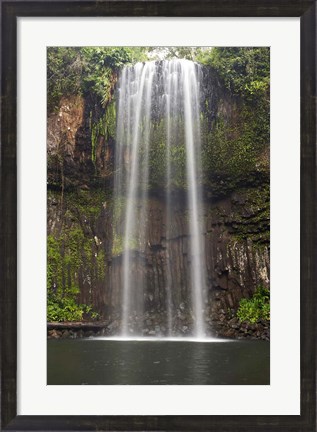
column 150, row 95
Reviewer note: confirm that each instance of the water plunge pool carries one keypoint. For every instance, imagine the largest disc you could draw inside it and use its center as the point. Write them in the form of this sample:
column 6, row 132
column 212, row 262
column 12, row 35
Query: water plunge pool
column 97, row 361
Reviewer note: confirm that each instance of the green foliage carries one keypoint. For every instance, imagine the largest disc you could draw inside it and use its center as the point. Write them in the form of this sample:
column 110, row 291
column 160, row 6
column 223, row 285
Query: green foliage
column 76, row 70
column 80, row 70
column 167, row 53
column 255, row 309
column 245, row 71
column 64, row 74
column 105, row 126
column 86, row 203
column 65, row 256
column 233, row 151
column 72, row 252
column 99, row 69
column 65, row 308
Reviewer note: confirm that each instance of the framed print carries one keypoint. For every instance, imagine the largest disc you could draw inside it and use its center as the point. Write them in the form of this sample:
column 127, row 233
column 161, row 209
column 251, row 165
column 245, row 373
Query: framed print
column 158, row 196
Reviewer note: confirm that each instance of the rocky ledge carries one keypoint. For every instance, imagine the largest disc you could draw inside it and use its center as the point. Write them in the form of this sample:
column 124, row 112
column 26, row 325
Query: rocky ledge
column 231, row 329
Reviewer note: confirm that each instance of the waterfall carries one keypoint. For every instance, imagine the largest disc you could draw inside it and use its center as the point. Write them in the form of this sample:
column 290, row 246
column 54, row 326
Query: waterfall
column 158, row 99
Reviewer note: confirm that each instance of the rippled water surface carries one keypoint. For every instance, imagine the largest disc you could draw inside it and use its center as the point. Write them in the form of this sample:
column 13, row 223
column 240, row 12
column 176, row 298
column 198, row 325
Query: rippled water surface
column 97, row 361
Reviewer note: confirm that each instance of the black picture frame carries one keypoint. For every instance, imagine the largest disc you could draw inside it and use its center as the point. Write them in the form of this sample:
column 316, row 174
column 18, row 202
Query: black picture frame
column 10, row 10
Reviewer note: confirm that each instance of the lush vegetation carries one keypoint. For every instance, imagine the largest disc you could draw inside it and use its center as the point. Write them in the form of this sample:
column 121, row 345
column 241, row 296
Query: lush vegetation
column 75, row 257
column 79, row 70
column 73, row 70
column 66, row 308
column 236, row 144
column 256, row 308
column 245, row 71
column 65, row 256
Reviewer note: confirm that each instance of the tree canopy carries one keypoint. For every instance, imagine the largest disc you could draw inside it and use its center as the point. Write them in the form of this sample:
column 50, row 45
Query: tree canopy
column 245, row 71
column 77, row 70
column 73, row 70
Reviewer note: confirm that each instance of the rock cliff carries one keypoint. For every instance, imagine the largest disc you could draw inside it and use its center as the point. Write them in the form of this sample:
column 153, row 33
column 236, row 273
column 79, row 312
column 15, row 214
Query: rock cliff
column 85, row 252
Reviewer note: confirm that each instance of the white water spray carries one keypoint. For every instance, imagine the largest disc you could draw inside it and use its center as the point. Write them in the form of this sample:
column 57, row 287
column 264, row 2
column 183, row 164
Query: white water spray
column 148, row 94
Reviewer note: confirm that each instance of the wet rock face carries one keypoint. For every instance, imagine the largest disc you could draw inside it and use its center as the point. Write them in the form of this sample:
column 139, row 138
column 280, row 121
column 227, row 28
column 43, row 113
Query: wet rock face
column 236, row 253
column 80, row 212
column 236, row 266
column 79, row 154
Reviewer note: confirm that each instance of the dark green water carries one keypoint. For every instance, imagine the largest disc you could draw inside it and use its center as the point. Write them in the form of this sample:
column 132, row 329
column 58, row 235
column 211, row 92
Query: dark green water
column 93, row 361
